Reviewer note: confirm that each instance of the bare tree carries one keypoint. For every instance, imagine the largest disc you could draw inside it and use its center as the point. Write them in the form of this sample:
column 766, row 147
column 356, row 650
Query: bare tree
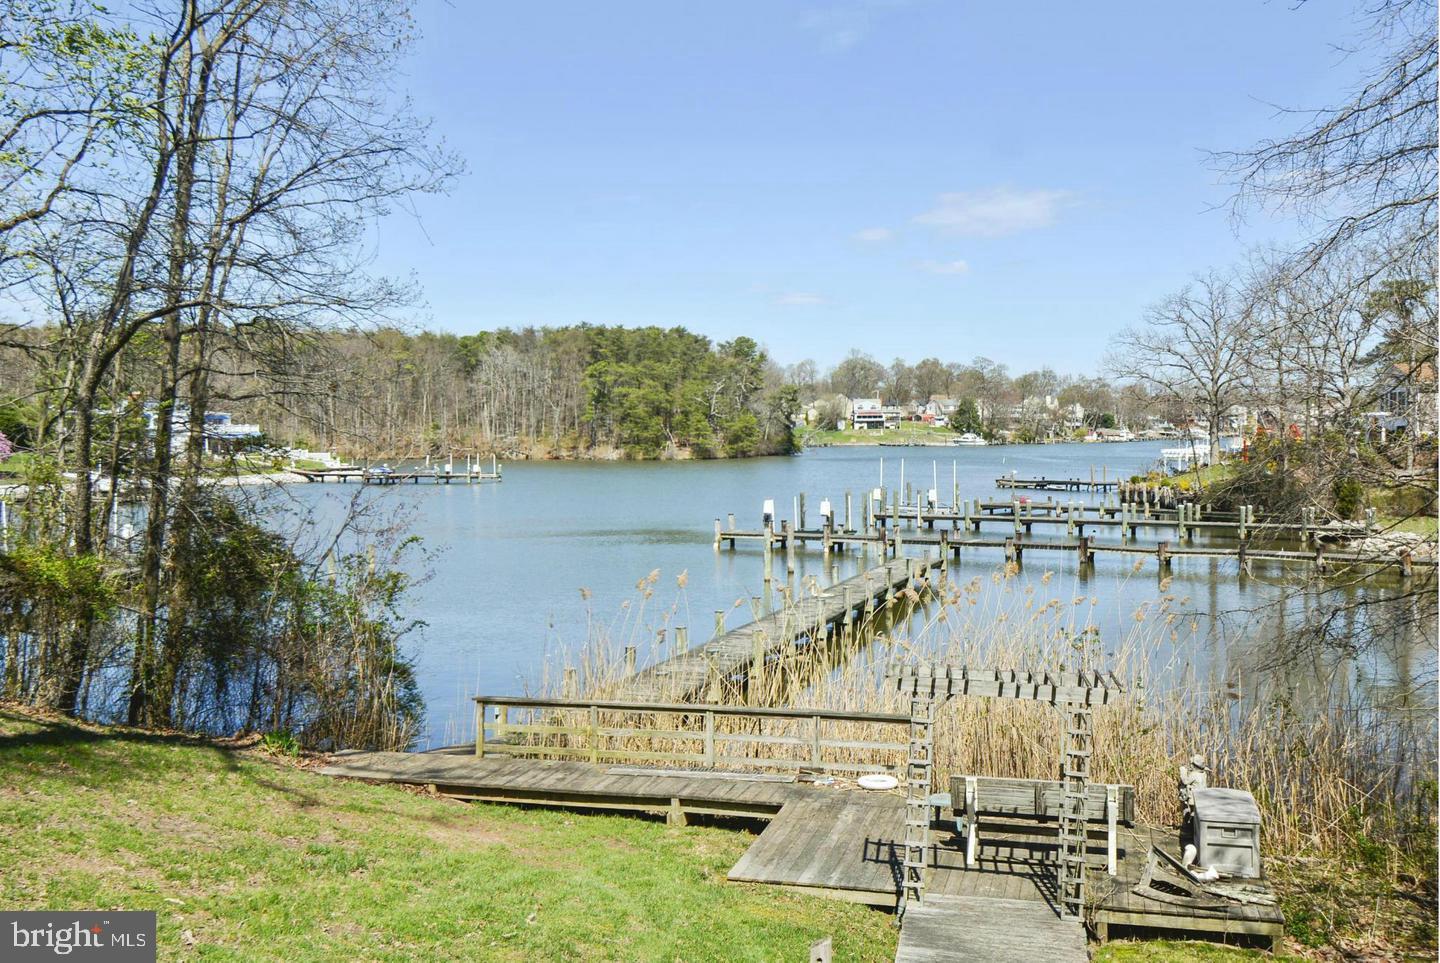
column 1192, row 347
column 1362, row 171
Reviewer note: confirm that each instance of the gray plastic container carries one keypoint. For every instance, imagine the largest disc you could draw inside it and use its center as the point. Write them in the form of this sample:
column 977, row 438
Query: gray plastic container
column 1227, row 831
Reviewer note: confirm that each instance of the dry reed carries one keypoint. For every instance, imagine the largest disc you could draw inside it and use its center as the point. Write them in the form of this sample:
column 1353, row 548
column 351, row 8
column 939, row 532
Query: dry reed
column 1323, row 774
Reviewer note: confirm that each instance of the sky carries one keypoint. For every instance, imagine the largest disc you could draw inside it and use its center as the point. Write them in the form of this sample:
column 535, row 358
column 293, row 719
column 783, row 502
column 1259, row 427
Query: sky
column 911, row 178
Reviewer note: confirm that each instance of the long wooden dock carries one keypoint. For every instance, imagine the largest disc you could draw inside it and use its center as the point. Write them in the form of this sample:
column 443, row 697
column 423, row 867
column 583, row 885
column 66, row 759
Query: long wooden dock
column 378, row 476
column 731, row 655
column 1058, row 484
column 1075, row 517
column 892, row 542
column 844, row 844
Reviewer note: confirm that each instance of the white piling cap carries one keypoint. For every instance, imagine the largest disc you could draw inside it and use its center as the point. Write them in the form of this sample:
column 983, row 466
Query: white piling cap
column 769, row 506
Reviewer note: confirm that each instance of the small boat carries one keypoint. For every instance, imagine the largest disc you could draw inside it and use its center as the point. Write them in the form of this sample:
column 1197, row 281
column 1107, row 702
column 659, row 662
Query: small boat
column 969, row 438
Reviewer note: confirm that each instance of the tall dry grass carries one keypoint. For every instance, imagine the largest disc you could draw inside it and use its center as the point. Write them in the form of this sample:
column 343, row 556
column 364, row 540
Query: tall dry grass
column 1326, row 772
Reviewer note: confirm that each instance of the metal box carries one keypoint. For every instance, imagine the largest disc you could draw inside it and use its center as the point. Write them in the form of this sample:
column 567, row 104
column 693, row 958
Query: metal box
column 1227, row 831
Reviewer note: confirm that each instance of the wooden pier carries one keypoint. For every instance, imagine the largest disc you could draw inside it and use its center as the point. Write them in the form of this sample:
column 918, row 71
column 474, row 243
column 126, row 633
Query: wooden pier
column 732, row 655
column 892, row 541
column 890, row 528
column 844, row 843
column 386, row 476
column 1093, row 484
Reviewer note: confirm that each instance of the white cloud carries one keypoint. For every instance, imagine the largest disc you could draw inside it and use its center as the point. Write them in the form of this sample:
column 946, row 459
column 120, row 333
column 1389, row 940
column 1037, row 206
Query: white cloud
column 800, row 298
column 945, row 267
column 874, row 235
column 995, row 211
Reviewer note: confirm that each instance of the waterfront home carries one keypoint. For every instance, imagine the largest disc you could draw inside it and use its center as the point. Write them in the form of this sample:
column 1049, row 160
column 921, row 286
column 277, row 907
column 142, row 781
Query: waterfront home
column 872, row 413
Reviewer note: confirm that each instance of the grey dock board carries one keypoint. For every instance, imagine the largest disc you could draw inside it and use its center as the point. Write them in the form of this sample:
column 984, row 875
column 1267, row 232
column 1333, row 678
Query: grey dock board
column 994, row 930
column 826, row 841
column 684, row 676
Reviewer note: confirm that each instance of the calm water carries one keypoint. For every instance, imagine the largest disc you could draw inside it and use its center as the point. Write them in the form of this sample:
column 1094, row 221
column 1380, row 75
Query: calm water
column 521, row 570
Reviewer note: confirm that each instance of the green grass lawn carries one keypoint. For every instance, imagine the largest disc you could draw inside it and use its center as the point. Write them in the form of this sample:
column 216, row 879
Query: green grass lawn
column 248, row 859
column 245, row 857
column 915, row 431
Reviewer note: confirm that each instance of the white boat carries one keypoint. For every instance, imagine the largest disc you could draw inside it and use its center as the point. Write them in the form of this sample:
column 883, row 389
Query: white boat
column 969, row 438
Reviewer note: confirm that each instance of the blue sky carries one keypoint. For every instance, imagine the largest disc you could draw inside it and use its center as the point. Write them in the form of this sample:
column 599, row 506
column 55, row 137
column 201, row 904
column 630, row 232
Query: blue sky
column 909, row 178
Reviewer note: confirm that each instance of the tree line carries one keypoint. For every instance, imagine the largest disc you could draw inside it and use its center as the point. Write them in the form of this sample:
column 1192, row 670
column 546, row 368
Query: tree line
column 641, row 392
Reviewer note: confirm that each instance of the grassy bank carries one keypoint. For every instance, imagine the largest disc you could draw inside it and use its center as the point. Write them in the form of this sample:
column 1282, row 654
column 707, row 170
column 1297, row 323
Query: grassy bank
column 908, row 434
column 247, row 858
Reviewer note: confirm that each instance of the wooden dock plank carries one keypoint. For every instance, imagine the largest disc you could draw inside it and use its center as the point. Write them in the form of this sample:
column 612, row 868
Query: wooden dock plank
column 832, row 842
column 995, row 930
column 684, row 676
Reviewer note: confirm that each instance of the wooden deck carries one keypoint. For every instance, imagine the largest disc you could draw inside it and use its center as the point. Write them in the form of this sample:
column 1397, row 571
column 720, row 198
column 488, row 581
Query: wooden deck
column 891, row 540
column 990, row 929
column 835, row 843
column 729, row 656
column 434, row 476
column 581, row 785
column 1058, row 484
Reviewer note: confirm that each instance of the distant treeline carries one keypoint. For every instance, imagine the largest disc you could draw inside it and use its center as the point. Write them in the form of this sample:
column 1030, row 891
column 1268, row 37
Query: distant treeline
column 644, row 392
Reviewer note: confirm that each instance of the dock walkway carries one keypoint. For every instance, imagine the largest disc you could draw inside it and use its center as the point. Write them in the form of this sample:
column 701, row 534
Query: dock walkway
column 1058, row 484
column 947, row 928
column 845, row 844
column 372, row 476
column 730, row 655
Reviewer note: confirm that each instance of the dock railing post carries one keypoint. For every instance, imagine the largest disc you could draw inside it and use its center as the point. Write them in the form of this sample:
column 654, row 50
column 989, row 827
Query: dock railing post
column 847, row 513
column 629, row 660
column 710, row 738
column 479, row 729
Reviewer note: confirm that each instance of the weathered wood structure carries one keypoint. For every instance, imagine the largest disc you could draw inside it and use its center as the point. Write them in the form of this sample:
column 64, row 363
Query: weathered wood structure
column 701, row 736
column 905, row 524
column 831, row 842
column 1074, row 693
column 733, row 656
column 1092, row 484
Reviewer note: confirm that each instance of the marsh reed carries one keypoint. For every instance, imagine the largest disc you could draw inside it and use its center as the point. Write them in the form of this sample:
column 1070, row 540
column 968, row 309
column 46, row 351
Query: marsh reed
column 1325, row 770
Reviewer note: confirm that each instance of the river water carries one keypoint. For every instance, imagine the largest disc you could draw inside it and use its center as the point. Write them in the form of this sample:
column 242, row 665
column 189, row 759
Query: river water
column 519, row 571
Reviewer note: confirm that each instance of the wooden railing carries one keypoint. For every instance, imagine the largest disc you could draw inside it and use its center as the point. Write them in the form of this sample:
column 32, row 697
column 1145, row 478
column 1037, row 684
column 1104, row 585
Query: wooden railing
column 685, row 735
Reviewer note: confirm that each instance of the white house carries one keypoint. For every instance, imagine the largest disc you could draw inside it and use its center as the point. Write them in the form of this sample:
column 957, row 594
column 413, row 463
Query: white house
column 220, row 431
column 871, row 413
